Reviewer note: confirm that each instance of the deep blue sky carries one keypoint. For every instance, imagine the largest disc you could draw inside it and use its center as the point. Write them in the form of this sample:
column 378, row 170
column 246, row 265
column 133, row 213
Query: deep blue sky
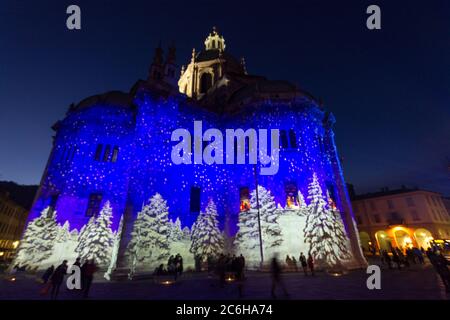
column 389, row 89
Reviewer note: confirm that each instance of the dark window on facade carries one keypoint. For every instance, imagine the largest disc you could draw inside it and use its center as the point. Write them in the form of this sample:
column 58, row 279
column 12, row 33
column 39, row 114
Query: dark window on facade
column 376, row 217
column 373, row 207
column 395, row 217
column 107, row 153
column 93, row 207
column 98, row 152
column 414, row 215
column 115, row 154
column 410, row 202
column 195, row 199
column 205, row 82
column 244, row 196
column 358, row 220
column 390, row 204
column 68, row 154
column 292, row 138
column 284, row 139
column 75, row 150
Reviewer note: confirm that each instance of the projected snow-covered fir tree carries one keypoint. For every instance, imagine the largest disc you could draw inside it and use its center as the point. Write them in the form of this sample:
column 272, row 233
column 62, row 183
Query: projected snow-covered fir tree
column 302, row 207
column 115, row 250
column 149, row 243
column 207, row 240
column 96, row 239
column 322, row 231
column 39, row 239
column 247, row 238
column 176, row 233
column 343, row 244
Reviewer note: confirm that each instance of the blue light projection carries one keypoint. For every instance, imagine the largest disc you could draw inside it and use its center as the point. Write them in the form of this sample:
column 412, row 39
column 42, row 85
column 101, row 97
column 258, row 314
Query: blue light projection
column 141, row 135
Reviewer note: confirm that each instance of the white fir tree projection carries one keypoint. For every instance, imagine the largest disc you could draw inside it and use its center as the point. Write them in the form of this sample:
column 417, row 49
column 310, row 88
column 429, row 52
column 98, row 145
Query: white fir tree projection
column 180, row 242
column 64, row 247
column 339, row 231
column 38, row 240
column 115, row 251
column 247, row 239
column 149, row 243
column 96, row 240
column 302, row 207
column 207, row 239
column 85, row 231
column 175, row 231
column 320, row 230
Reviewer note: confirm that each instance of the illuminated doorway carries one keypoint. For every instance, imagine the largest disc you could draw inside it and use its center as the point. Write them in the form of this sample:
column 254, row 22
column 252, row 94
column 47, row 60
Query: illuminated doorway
column 365, row 240
column 423, row 238
column 384, row 242
column 403, row 239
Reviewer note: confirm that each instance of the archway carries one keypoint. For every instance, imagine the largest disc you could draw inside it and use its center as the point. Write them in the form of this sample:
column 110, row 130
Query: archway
column 402, row 238
column 364, row 239
column 384, row 242
column 205, row 82
column 423, row 238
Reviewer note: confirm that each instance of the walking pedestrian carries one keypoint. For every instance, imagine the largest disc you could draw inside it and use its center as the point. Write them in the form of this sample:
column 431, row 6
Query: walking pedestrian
column 47, row 274
column 302, row 260
column 311, row 263
column 275, row 269
column 58, row 278
column 88, row 271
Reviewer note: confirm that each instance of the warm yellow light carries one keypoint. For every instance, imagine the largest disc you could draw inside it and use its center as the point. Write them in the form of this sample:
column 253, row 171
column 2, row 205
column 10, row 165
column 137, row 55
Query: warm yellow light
column 12, row 279
column 382, row 236
column 15, row 244
column 1, row 254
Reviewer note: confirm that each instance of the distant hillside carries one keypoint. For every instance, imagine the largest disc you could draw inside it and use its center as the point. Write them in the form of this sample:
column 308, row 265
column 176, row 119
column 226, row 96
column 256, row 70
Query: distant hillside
column 21, row 194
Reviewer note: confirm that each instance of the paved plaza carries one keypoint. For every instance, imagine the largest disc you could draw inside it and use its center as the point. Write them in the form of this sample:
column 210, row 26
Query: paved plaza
column 417, row 282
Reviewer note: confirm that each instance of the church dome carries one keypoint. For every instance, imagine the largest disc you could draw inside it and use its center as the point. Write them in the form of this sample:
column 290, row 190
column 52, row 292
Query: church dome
column 110, row 98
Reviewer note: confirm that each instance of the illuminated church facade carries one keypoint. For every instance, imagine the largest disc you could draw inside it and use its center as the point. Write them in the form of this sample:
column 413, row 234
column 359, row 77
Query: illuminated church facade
column 116, row 146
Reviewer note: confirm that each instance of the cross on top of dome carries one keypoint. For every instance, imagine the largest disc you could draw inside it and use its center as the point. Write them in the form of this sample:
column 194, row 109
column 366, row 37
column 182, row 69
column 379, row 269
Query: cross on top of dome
column 215, row 41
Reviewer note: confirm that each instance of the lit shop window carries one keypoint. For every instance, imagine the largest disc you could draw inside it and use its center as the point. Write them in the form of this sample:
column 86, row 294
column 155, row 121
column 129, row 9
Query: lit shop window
column 291, row 195
column 244, row 195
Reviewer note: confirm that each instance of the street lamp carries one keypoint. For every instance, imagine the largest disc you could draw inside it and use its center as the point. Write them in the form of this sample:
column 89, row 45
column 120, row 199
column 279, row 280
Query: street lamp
column 259, row 220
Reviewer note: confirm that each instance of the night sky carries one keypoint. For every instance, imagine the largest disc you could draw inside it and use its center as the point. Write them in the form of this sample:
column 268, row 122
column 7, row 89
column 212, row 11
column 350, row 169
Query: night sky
column 389, row 89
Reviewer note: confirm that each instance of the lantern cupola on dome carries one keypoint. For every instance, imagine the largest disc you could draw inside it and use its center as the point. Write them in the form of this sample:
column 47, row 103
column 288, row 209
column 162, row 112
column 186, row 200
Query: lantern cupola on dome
column 215, row 41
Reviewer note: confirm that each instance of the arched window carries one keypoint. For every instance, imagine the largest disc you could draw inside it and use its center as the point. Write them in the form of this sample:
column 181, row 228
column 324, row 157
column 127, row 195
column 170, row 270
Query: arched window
column 205, row 82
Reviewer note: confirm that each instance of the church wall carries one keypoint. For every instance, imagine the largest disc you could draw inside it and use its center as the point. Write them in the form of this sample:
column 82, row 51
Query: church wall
column 74, row 174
